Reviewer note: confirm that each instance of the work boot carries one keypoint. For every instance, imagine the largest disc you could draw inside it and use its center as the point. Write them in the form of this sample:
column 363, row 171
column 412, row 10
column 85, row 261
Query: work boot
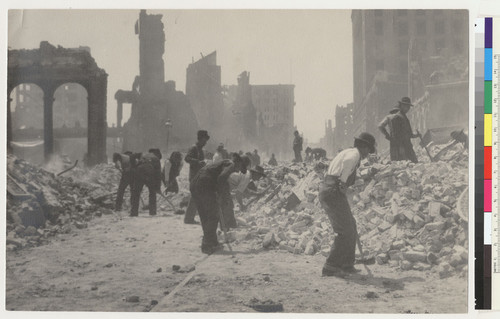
column 350, row 269
column 333, row 271
column 191, row 222
column 210, row 249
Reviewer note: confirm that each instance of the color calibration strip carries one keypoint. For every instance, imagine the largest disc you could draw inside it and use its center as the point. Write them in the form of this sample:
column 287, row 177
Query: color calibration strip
column 488, row 70
column 479, row 240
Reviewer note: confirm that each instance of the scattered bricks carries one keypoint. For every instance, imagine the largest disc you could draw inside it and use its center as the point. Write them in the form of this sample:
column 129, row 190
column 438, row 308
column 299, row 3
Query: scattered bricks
column 263, row 230
column 30, row 231
column 241, row 221
column 432, row 258
column 421, row 266
column 283, row 246
column 395, row 255
column 436, row 246
column 445, row 251
column 434, row 226
column 310, row 248
column 456, row 260
column 268, row 240
column 384, row 226
column 419, row 248
column 434, row 209
column 444, row 270
column 419, row 222
column 398, row 245
column 241, row 235
column 406, row 265
column 80, row 225
column 382, row 259
column 394, row 263
column 414, row 256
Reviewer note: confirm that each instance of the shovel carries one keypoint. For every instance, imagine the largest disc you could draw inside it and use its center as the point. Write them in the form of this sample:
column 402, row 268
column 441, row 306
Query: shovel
column 425, row 146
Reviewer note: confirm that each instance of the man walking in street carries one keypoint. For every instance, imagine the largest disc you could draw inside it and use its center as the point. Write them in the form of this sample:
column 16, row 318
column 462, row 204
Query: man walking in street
column 196, row 160
column 400, row 132
column 340, row 175
column 297, row 147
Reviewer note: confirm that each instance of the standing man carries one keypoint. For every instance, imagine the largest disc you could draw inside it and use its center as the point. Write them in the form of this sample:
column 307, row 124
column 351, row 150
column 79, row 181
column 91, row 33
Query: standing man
column 401, row 132
column 219, row 154
column 272, row 161
column 124, row 165
column 196, row 160
column 208, row 187
column 340, row 175
column 147, row 171
column 297, row 147
column 256, row 157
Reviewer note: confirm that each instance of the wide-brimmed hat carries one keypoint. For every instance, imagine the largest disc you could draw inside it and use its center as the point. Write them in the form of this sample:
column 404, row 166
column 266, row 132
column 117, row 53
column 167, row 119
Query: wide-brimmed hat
column 258, row 170
column 220, row 147
column 203, row 134
column 368, row 139
column 406, row 100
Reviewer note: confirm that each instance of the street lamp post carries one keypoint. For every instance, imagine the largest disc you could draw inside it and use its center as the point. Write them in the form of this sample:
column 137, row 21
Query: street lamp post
column 168, row 124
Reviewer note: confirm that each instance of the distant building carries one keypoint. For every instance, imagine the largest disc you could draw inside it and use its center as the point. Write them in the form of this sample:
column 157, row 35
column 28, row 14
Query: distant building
column 400, row 53
column 275, row 120
column 203, row 89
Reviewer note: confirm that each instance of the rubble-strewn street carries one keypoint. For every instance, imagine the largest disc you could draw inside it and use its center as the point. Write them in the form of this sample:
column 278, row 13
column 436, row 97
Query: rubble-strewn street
column 64, row 240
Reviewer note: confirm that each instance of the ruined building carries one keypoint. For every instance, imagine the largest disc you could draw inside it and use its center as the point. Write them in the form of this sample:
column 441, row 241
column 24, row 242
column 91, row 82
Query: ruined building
column 260, row 116
column 415, row 53
column 203, row 89
column 275, row 121
column 154, row 101
column 52, row 69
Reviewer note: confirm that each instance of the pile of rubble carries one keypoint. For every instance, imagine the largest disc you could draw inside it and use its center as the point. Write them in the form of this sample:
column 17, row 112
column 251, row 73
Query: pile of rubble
column 409, row 216
column 41, row 204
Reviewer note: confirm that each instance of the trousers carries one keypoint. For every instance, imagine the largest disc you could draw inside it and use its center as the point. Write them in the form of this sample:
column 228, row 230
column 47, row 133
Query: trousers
column 125, row 181
column 336, row 206
column 206, row 203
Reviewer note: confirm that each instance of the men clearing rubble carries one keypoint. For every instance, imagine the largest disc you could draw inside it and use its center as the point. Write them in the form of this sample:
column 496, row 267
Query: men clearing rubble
column 196, row 160
column 123, row 164
column 340, row 175
column 208, row 187
column 400, row 134
column 147, row 171
column 297, row 147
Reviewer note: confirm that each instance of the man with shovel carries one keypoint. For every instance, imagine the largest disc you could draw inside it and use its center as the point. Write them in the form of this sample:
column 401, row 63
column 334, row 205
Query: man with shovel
column 340, row 175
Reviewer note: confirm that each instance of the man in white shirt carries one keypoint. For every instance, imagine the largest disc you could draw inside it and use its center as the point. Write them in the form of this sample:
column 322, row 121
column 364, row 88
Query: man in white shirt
column 340, row 175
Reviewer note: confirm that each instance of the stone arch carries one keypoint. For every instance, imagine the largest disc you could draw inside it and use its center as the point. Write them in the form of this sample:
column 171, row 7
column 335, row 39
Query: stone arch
column 50, row 67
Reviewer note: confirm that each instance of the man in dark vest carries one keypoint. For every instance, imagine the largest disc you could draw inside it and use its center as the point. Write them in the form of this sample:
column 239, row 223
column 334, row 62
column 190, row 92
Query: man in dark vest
column 196, row 160
column 401, row 133
column 297, row 147
column 146, row 170
column 340, row 175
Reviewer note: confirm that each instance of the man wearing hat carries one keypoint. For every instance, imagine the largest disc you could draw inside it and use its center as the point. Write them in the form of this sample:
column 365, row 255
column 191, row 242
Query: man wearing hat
column 401, row 133
column 219, row 154
column 340, row 175
column 196, row 160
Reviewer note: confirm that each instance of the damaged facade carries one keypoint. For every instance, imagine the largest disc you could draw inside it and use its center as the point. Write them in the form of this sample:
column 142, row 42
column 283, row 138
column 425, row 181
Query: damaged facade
column 203, row 89
column 50, row 68
column 154, row 101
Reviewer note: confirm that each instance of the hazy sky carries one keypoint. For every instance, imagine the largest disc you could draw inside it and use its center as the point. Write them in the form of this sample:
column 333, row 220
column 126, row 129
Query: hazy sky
column 309, row 48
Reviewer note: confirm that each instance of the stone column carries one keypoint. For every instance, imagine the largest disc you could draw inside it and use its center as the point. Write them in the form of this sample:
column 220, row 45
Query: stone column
column 97, row 126
column 48, row 136
column 119, row 114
